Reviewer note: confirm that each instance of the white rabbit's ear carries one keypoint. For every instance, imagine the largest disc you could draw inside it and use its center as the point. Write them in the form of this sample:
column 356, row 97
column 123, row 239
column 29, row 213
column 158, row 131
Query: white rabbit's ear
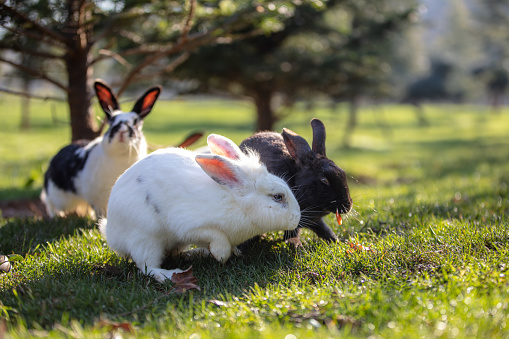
column 221, row 170
column 145, row 103
column 223, row 146
column 107, row 99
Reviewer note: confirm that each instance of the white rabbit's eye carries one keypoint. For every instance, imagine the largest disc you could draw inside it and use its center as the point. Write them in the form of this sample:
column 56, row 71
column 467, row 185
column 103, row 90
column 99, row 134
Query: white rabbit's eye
column 325, row 181
column 278, row 197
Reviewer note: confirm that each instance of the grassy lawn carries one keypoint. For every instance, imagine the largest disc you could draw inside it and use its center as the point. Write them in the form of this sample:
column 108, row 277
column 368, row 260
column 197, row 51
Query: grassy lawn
column 423, row 254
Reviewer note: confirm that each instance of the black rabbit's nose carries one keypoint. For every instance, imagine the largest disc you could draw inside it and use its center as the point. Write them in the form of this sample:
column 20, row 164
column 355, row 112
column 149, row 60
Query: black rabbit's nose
column 345, row 206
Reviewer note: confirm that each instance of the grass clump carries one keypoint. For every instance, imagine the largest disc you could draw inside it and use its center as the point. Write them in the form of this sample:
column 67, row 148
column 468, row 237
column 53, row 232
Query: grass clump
column 423, row 254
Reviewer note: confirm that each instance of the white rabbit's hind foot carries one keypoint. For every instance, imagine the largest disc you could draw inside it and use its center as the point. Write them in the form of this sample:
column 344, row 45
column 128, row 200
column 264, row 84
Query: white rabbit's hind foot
column 161, row 274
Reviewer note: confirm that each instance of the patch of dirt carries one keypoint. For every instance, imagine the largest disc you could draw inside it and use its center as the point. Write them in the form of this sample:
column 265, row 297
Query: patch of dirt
column 24, row 208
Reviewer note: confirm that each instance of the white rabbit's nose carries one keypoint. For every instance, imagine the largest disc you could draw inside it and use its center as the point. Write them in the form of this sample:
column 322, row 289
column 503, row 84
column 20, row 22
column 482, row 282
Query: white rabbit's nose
column 123, row 128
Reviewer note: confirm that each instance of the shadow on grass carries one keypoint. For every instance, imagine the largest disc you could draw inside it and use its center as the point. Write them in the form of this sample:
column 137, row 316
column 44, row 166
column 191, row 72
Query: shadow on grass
column 21, row 236
column 90, row 283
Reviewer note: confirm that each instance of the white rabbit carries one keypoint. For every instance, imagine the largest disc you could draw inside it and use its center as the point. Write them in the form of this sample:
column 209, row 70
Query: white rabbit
column 175, row 197
column 81, row 175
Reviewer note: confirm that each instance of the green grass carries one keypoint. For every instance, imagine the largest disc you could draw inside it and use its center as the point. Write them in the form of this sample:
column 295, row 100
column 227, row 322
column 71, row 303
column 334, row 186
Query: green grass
column 431, row 207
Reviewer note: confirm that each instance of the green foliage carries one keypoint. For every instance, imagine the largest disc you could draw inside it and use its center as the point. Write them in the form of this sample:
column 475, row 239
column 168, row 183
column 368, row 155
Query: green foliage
column 337, row 48
column 424, row 253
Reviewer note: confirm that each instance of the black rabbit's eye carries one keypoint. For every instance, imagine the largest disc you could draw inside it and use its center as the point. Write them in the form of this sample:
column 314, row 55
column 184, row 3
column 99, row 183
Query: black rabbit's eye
column 325, row 181
column 278, row 197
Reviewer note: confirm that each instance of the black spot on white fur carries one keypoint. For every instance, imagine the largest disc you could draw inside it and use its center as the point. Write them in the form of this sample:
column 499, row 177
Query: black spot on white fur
column 149, row 202
column 139, row 180
column 66, row 164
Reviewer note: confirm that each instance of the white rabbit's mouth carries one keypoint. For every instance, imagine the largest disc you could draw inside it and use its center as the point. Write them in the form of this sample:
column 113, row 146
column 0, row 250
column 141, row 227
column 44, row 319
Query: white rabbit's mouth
column 122, row 136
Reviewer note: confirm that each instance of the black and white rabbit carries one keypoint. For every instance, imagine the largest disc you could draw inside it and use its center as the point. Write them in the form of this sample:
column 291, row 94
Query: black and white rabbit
column 318, row 183
column 81, row 174
column 175, row 197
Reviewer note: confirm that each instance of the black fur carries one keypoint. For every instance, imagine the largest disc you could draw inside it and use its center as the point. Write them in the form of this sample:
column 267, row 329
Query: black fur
column 319, row 185
column 66, row 165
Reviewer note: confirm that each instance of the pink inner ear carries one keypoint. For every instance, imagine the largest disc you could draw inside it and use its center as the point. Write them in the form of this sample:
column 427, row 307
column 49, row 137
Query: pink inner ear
column 218, row 170
column 222, row 147
column 224, row 152
column 149, row 99
column 104, row 95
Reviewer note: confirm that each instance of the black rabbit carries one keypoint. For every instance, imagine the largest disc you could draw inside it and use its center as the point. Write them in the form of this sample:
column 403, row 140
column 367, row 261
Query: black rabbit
column 319, row 185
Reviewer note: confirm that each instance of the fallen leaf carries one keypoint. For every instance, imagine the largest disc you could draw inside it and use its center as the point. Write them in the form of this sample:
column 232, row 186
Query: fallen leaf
column 184, row 281
column 356, row 247
column 113, row 326
column 15, row 257
column 218, row 302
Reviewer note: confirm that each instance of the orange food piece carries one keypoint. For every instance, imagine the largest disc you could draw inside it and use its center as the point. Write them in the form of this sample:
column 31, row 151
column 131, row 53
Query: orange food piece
column 338, row 218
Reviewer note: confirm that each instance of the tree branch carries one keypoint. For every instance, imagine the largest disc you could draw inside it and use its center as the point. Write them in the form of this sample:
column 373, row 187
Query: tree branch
column 106, row 54
column 34, row 73
column 190, row 43
column 189, row 22
column 44, row 30
column 168, row 69
column 37, row 37
column 31, row 52
column 31, row 96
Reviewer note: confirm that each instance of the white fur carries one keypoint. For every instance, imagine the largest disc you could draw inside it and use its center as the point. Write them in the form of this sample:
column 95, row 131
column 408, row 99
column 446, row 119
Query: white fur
column 105, row 163
column 166, row 202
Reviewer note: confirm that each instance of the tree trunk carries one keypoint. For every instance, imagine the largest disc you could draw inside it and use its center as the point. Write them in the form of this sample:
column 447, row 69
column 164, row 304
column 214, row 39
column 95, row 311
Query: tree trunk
column 265, row 114
column 83, row 125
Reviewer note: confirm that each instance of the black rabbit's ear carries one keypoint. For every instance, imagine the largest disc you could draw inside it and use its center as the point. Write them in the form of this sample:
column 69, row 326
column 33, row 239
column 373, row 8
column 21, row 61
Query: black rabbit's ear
column 318, row 136
column 296, row 145
column 145, row 103
column 107, row 99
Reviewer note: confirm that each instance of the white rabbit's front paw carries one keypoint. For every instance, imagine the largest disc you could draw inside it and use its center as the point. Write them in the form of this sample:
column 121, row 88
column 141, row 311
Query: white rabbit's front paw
column 220, row 250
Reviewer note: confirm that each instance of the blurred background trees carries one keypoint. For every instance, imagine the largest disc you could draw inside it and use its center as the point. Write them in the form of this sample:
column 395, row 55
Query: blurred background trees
column 276, row 53
column 341, row 51
column 68, row 38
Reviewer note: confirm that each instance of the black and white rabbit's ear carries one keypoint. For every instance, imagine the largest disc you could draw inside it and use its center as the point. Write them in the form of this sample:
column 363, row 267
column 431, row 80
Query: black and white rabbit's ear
column 318, row 136
column 190, row 139
column 145, row 103
column 223, row 146
column 107, row 99
column 297, row 146
column 221, row 169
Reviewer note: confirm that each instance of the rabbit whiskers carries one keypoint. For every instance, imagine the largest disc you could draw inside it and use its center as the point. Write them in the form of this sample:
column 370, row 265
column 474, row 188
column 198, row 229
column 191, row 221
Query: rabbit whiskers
column 134, row 145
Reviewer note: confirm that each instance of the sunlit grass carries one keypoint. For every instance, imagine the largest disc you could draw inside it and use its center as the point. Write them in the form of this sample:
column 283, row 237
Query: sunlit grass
column 424, row 253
